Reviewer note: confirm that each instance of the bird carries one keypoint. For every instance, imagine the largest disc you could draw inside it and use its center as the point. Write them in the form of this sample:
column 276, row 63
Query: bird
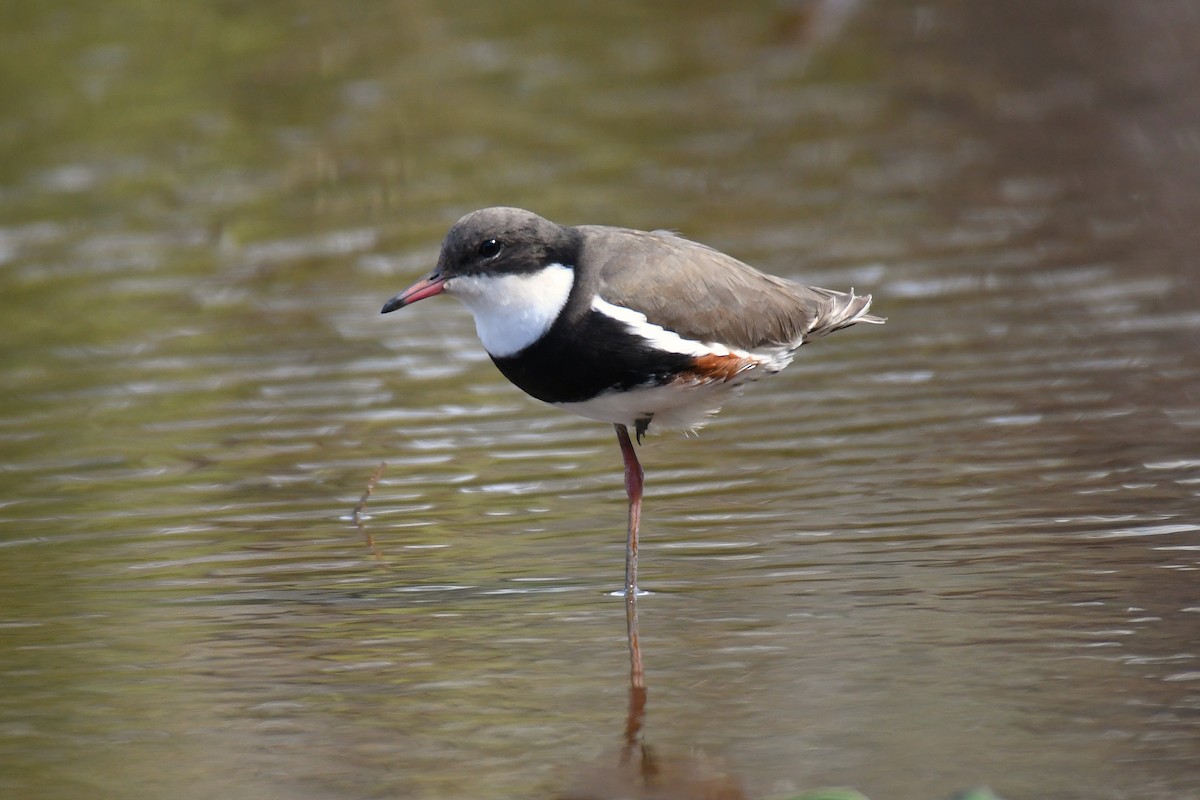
column 630, row 327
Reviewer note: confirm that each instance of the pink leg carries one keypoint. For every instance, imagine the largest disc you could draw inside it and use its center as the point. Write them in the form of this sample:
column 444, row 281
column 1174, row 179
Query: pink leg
column 633, row 488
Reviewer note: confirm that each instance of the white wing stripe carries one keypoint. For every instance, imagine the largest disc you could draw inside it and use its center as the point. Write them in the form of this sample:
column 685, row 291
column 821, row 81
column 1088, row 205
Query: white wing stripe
column 658, row 336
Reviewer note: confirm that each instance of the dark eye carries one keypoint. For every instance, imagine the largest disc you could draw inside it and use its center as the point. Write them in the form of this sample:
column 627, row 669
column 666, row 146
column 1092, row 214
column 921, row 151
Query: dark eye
column 490, row 248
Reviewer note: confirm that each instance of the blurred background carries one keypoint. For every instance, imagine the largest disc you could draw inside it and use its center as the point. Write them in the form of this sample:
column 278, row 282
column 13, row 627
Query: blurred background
column 957, row 550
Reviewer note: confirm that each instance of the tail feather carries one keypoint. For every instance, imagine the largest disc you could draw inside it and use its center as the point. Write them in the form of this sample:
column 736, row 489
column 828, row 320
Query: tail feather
column 842, row 311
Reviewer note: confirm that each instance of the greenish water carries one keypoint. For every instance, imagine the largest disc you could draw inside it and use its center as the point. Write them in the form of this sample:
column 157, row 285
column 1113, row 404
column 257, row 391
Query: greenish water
column 956, row 550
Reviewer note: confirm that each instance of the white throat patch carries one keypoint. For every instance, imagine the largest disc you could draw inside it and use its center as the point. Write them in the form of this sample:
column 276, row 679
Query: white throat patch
column 513, row 311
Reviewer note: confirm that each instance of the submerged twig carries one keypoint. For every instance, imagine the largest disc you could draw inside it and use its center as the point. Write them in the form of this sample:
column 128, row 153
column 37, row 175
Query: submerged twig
column 362, row 504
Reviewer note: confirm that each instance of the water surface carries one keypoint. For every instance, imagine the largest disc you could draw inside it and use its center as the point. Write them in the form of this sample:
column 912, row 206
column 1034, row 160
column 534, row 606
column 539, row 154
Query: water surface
column 956, row 550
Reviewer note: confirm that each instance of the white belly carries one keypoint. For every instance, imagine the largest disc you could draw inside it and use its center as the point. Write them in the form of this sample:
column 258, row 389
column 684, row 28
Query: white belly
column 684, row 406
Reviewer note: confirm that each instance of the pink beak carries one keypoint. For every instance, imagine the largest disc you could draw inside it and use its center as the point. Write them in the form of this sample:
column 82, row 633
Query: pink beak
column 428, row 286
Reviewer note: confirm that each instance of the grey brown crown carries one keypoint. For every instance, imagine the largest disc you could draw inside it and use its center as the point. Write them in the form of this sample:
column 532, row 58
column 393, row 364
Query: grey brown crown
column 500, row 241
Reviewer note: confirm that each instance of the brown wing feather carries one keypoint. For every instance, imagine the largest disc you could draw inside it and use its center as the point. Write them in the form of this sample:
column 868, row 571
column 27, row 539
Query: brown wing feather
column 705, row 295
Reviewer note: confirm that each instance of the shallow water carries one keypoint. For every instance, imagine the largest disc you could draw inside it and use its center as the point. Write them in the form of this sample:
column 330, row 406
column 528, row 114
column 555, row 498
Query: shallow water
column 956, row 550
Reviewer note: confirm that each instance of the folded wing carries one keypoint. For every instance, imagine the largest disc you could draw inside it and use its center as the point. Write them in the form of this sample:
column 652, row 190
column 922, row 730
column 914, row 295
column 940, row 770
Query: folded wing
column 707, row 296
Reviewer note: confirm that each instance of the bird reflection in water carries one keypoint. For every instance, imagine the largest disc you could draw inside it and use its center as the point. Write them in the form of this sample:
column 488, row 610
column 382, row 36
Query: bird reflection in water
column 640, row 772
